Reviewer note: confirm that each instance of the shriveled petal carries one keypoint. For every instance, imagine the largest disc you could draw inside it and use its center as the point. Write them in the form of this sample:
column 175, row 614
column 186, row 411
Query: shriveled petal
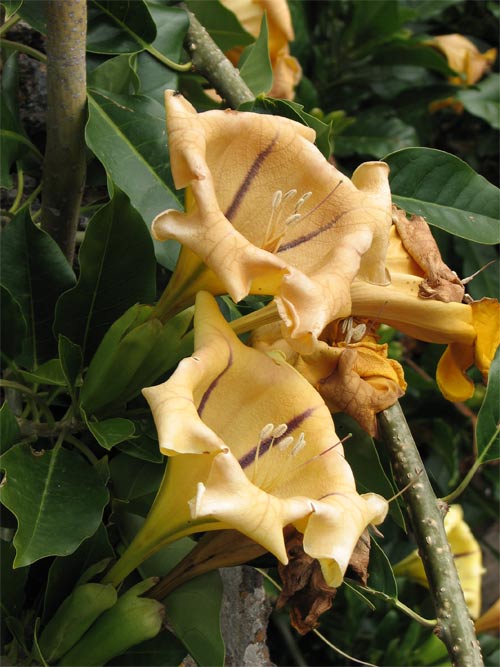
column 464, row 57
column 272, row 216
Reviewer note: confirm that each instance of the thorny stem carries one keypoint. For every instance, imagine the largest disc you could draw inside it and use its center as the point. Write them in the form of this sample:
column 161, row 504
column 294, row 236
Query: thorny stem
column 64, row 164
column 209, row 60
column 454, row 624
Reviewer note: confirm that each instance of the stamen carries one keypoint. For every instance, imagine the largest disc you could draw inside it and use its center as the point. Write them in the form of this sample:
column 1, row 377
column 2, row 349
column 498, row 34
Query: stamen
column 277, row 197
column 266, row 431
column 289, row 194
column 293, row 218
column 280, row 430
column 299, row 445
column 302, row 201
column 283, row 444
column 195, row 503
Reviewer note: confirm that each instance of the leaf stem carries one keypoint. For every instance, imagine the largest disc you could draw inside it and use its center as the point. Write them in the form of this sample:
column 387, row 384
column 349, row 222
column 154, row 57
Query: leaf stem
column 178, row 67
column 9, row 23
column 64, row 164
column 454, row 625
column 20, row 189
column 23, row 48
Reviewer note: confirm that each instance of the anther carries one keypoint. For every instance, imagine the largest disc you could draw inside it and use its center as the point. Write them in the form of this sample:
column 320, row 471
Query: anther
column 286, row 442
column 266, row 431
column 277, row 197
column 280, row 430
column 289, row 194
column 300, row 444
column 293, row 218
column 302, row 201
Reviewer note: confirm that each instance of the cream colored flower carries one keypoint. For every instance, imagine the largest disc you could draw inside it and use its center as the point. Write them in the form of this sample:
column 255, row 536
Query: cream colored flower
column 286, row 68
column 466, row 553
column 252, row 447
column 464, row 57
column 267, row 214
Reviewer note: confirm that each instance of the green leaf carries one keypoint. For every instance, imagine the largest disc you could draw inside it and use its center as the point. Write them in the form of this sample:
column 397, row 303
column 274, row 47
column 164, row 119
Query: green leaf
column 133, row 478
column 116, row 75
column 372, row 23
column 447, row 192
column 488, row 419
column 362, row 456
column 381, row 576
column 119, row 26
column 127, row 134
column 71, row 360
column 193, row 610
column 143, row 446
column 57, row 498
column 371, row 134
column 476, row 256
column 484, row 100
column 110, row 432
column 35, row 271
column 255, row 63
column 412, row 52
column 11, row 7
column 33, row 12
column 164, row 649
column 13, row 584
column 50, row 372
column 13, row 324
column 9, row 429
column 171, row 26
column 221, row 24
column 117, row 269
column 65, row 572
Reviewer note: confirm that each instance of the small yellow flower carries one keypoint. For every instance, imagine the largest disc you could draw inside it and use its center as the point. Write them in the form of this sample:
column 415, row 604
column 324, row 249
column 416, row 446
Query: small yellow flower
column 466, row 553
column 464, row 57
column 252, row 447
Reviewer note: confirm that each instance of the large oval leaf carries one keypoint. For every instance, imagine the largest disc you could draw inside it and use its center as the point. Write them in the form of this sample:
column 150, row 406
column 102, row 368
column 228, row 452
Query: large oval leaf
column 374, row 135
column 35, row 271
column 128, row 135
column 447, row 192
column 484, row 100
column 117, row 269
column 119, row 26
column 57, row 497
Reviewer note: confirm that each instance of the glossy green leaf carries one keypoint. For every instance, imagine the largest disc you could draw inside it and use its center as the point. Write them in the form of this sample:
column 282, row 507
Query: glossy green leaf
column 488, row 419
column 426, row 9
column 373, row 135
column 110, row 432
column 193, row 610
column 372, row 23
column 128, row 135
column 133, row 478
column 164, row 649
column 255, row 63
column 119, row 26
column 116, row 75
column 476, row 256
column 50, row 372
column 412, row 52
column 117, row 269
column 33, row 12
column 221, row 24
column 13, row 586
column 362, row 455
column 13, row 324
column 57, row 498
column 65, row 572
column 484, row 100
column 9, row 429
column 447, row 192
column 71, row 358
column 171, row 26
column 35, row 271
column 381, row 577
column 143, row 446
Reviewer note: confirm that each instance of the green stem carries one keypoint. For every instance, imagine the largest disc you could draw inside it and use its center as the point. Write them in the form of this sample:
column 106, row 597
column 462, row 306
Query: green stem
column 209, row 60
column 20, row 189
column 24, row 48
column 178, row 67
column 64, row 164
column 9, row 23
column 454, row 625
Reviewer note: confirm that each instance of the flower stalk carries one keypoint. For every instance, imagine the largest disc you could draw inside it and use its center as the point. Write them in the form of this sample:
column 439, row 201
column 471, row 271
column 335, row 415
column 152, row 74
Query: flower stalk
column 454, row 624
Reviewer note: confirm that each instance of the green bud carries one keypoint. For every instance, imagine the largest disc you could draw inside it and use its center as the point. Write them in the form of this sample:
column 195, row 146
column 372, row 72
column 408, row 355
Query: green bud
column 74, row 617
column 132, row 620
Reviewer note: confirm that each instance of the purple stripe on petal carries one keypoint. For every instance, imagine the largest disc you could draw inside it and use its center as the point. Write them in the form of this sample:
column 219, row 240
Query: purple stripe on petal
column 247, row 181
column 292, row 425
column 214, row 383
